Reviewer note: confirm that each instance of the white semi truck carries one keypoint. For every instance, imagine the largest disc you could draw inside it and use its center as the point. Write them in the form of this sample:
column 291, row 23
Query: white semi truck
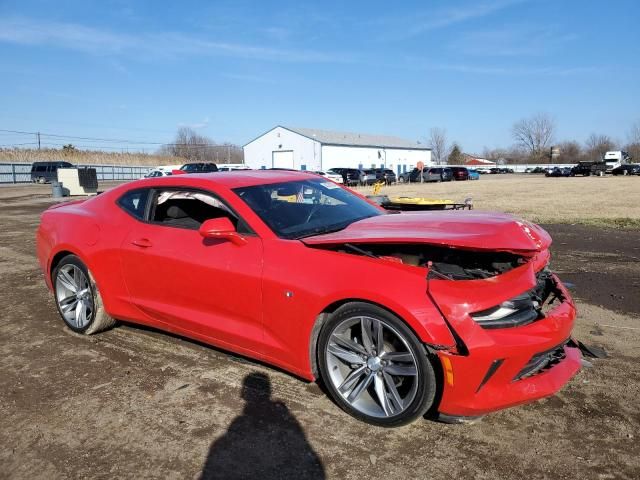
column 615, row 159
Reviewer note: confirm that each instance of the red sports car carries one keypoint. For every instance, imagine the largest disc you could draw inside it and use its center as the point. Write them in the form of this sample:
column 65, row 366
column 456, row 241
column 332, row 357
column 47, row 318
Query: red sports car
column 397, row 314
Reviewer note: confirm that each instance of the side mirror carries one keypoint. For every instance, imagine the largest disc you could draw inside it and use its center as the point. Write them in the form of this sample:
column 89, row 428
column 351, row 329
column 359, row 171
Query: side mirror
column 221, row 228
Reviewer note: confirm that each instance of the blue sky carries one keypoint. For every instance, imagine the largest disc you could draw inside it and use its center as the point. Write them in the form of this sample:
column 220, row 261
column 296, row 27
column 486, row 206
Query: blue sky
column 233, row 69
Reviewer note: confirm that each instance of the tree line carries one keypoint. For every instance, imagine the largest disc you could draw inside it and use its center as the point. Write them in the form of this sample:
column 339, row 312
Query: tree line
column 193, row 147
column 533, row 138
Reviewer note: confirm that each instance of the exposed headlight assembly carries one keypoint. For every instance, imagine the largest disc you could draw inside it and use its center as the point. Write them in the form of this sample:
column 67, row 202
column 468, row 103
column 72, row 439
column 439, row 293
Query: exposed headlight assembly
column 518, row 311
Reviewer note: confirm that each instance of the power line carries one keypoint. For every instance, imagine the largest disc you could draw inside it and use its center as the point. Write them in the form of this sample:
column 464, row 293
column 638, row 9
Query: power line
column 116, row 140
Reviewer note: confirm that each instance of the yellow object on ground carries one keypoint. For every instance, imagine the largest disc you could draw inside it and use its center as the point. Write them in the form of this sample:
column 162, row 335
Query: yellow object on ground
column 377, row 187
column 421, row 201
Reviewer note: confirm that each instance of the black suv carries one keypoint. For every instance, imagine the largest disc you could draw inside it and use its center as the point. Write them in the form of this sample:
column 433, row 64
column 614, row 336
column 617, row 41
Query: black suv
column 350, row 176
column 46, row 172
column 385, row 175
column 627, row 169
column 199, row 167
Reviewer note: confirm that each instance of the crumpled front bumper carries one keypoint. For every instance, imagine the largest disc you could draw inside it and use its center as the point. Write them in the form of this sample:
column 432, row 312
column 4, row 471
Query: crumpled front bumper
column 511, row 366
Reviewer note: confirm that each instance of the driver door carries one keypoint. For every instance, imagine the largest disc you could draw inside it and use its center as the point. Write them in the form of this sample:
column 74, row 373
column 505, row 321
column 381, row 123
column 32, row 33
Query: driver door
column 191, row 284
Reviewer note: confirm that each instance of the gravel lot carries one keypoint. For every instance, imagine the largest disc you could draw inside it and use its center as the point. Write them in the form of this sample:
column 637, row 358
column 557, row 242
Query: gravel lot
column 135, row 403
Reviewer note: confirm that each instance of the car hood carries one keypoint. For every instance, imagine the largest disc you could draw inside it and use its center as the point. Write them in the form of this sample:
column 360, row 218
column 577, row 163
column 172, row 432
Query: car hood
column 458, row 229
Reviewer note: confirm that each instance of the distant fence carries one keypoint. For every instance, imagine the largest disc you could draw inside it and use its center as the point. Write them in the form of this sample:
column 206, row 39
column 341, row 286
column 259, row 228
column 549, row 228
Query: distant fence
column 21, row 172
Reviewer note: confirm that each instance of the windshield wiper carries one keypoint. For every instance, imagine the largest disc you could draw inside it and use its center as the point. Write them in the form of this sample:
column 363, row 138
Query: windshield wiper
column 321, row 231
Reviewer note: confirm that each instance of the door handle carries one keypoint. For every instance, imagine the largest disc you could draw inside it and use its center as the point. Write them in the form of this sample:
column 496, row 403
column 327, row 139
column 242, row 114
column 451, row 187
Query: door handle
column 142, row 242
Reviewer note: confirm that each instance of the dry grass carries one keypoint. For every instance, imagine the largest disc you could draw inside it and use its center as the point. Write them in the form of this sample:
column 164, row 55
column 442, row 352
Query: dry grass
column 608, row 201
column 80, row 157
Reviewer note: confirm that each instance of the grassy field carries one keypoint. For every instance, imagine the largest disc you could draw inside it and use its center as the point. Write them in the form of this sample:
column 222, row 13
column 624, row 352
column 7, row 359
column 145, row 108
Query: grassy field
column 608, row 201
column 82, row 157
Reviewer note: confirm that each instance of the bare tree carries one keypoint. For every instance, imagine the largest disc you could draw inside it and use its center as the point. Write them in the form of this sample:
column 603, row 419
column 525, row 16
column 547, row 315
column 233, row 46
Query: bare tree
column 535, row 134
column 570, row 151
column 598, row 144
column 634, row 133
column 194, row 147
column 438, row 144
column 633, row 146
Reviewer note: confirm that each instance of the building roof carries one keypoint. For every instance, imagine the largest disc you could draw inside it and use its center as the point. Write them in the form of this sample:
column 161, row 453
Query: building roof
column 330, row 137
column 475, row 160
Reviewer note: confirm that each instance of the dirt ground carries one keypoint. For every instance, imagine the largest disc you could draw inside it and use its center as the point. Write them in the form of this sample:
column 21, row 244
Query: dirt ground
column 135, row 403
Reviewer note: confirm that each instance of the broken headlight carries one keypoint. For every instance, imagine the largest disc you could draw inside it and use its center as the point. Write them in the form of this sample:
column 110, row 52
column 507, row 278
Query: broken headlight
column 518, row 311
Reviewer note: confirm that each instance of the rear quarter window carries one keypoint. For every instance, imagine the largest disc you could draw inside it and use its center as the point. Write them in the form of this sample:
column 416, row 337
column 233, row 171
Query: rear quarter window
column 134, row 202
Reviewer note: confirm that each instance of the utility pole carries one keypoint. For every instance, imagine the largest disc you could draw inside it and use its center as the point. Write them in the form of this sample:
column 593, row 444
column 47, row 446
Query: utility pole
column 228, row 153
column 38, row 135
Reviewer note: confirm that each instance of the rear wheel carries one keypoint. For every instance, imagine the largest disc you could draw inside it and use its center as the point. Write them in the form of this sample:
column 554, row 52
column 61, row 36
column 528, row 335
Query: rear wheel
column 77, row 297
column 374, row 366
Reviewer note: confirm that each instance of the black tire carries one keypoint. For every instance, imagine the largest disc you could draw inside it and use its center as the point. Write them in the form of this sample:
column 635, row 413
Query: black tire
column 425, row 383
column 401, row 180
column 98, row 319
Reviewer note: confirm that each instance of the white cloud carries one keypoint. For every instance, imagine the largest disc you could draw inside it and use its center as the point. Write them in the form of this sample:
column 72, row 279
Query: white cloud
column 96, row 41
column 515, row 40
column 418, row 23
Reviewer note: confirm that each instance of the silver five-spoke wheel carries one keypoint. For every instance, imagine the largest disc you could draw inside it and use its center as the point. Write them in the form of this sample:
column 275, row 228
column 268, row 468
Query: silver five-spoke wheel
column 74, row 296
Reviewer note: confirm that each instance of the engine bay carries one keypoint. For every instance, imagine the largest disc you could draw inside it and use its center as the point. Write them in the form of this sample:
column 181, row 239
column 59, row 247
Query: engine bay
column 446, row 262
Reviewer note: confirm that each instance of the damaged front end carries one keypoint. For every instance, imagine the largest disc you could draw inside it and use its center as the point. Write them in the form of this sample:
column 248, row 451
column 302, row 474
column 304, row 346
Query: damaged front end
column 510, row 315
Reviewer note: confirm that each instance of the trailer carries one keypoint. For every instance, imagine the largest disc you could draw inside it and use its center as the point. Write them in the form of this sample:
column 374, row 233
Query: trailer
column 589, row 168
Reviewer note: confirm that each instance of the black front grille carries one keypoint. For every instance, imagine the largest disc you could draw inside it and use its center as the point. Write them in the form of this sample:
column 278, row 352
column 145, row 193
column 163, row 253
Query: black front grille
column 541, row 362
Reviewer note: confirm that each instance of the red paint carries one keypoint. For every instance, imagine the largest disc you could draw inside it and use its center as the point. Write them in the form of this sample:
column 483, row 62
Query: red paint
column 261, row 297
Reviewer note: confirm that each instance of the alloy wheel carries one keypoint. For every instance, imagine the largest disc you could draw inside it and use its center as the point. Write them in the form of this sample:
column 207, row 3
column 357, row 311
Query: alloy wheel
column 372, row 367
column 74, row 296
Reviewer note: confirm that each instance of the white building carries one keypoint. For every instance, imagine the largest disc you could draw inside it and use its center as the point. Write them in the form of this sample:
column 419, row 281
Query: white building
column 311, row 149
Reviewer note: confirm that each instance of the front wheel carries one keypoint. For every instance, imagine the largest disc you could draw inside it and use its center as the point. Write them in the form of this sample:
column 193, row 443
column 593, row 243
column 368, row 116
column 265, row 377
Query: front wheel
column 374, row 367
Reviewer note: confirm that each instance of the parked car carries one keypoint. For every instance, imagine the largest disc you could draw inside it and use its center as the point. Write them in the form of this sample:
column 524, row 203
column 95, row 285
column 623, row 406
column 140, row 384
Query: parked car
column 201, row 167
column 386, row 175
column 212, row 257
column 438, row 174
column 429, row 174
column 627, row 169
column 368, row 176
column 336, row 177
column 230, row 168
column 558, row 172
column 350, row 176
column 46, row 172
column 410, row 176
column 460, row 173
column 538, row 170
column 156, row 172
column 494, row 170
column 474, row 174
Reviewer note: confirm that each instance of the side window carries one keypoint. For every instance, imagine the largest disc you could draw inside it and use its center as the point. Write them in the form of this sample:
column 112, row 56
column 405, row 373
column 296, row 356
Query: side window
column 189, row 209
column 134, row 202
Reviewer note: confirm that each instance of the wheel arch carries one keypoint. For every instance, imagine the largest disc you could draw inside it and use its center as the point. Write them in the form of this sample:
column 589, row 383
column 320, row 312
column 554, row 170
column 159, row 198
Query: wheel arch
column 326, row 313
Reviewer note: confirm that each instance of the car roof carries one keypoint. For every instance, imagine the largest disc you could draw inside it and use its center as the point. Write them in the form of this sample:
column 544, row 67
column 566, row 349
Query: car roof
column 231, row 179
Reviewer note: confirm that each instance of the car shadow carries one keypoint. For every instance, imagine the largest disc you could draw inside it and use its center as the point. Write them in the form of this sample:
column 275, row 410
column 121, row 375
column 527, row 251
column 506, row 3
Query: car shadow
column 265, row 441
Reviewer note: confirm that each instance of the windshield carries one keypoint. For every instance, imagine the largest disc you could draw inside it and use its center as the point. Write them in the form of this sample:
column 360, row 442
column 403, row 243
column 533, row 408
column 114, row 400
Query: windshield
column 304, row 208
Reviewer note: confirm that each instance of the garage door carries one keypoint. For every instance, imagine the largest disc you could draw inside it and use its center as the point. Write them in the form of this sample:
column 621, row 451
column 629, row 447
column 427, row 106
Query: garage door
column 282, row 159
